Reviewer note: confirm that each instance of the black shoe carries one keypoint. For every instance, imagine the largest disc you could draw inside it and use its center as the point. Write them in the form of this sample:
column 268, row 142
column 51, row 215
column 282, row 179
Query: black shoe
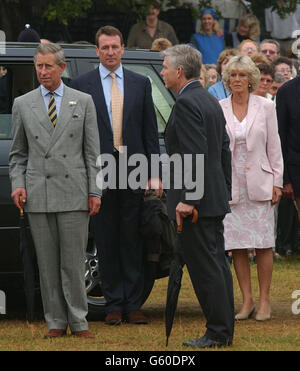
column 206, row 342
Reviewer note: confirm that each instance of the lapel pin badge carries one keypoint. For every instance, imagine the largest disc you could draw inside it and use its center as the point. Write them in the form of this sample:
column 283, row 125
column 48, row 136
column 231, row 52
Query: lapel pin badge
column 72, row 103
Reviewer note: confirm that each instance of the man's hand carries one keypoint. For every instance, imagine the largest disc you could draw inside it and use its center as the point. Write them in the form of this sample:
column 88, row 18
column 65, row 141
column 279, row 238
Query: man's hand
column 277, row 193
column 94, row 205
column 288, row 191
column 19, row 197
column 156, row 184
column 182, row 211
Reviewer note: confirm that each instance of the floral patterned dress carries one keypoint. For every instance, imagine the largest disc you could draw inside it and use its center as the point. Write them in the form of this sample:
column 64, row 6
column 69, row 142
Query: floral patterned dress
column 250, row 223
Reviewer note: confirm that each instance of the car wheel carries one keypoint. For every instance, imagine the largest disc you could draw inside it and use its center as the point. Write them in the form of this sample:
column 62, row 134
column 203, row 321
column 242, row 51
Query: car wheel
column 95, row 298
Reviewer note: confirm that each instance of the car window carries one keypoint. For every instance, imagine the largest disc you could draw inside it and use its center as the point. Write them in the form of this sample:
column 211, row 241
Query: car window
column 162, row 99
column 16, row 80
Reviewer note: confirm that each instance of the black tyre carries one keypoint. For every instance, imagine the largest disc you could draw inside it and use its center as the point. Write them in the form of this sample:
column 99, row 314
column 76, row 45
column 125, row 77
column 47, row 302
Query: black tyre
column 95, row 298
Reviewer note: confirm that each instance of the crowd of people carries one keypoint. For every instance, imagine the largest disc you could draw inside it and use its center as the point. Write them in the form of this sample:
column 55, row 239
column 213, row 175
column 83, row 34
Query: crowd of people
column 227, row 109
column 272, row 56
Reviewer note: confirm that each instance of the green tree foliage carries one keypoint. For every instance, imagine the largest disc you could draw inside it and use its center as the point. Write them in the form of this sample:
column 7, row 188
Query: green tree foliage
column 282, row 7
column 65, row 10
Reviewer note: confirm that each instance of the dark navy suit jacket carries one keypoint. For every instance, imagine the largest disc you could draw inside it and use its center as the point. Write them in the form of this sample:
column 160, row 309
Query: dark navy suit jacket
column 288, row 115
column 140, row 133
column 197, row 126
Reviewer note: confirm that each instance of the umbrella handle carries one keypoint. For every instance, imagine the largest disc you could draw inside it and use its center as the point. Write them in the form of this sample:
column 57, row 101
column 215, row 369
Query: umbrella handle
column 179, row 227
column 21, row 208
column 195, row 216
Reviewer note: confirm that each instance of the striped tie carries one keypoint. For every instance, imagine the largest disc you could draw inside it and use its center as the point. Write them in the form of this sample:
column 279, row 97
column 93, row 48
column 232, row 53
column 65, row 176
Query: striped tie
column 52, row 110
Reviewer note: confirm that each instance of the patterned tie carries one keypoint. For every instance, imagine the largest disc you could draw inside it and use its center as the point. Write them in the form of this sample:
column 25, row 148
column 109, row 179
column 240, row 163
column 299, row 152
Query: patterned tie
column 117, row 111
column 52, row 110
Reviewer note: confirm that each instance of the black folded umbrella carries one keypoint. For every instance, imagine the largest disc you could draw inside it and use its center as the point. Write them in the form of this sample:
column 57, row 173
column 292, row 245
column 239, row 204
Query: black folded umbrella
column 174, row 283
column 150, row 229
column 28, row 260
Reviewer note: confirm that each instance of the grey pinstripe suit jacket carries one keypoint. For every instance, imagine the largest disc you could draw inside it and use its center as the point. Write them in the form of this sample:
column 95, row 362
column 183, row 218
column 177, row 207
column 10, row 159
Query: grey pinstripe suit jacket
column 57, row 166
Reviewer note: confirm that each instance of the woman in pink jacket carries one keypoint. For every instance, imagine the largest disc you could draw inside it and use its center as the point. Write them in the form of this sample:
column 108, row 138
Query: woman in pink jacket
column 257, row 170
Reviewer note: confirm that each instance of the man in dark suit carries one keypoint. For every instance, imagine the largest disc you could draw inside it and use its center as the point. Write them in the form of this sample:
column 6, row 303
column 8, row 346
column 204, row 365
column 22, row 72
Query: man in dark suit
column 197, row 126
column 288, row 115
column 116, row 228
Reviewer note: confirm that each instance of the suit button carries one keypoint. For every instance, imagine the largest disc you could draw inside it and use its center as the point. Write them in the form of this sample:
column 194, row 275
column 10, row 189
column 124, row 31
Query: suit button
column 47, row 156
column 64, row 156
column 71, row 135
column 36, row 137
column 66, row 176
column 48, row 177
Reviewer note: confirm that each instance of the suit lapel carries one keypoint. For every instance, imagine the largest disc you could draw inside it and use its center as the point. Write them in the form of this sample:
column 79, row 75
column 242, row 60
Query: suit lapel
column 39, row 110
column 253, row 108
column 129, row 95
column 64, row 117
column 96, row 91
column 227, row 105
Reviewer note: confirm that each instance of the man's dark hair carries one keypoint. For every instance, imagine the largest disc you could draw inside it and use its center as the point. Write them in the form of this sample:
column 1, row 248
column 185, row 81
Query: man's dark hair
column 282, row 60
column 155, row 4
column 266, row 69
column 109, row 31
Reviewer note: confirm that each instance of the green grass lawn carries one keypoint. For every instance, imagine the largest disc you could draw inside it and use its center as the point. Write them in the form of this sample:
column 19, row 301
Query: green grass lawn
column 282, row 332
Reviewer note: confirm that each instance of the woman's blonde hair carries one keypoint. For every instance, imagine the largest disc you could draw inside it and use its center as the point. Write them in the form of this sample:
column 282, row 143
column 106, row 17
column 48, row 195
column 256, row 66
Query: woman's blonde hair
column 244, row 63
column 203, row 70
column 160, row 44
column 250, row 21
column 259, row 58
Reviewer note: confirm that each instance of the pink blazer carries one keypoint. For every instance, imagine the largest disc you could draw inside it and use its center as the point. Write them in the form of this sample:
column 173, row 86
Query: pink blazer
column 264, row 167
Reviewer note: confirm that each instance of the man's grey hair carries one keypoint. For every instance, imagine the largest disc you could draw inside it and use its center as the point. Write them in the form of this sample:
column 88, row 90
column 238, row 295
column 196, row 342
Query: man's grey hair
column 51, row 48
column 271, row 41
column 186, row 57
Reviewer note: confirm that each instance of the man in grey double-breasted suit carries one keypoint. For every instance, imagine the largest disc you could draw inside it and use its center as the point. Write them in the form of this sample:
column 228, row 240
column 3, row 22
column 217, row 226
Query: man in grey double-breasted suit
column 53, row 172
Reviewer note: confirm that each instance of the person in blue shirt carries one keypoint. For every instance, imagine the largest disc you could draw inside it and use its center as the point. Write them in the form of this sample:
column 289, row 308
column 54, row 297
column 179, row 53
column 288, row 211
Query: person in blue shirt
column 218, row 90
column 210, row 40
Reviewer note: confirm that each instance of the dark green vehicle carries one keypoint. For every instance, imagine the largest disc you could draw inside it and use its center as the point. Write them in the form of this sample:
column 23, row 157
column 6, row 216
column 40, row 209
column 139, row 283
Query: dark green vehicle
column 17, row 77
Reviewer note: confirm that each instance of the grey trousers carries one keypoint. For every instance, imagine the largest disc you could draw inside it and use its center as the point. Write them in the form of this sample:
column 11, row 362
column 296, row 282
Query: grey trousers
column 60, row 241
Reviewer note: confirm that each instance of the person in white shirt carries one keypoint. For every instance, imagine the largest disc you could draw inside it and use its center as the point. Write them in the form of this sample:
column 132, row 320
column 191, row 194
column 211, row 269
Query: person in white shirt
column 282, row 29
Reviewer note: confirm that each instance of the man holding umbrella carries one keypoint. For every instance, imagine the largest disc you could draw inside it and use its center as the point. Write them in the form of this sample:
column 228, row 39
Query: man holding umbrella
column 53, row 172
column 197, row 126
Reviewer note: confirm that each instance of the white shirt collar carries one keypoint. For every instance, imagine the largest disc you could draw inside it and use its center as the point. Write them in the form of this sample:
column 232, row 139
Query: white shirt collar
column 187, row 84
column 59, row 91
column 104, row 72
